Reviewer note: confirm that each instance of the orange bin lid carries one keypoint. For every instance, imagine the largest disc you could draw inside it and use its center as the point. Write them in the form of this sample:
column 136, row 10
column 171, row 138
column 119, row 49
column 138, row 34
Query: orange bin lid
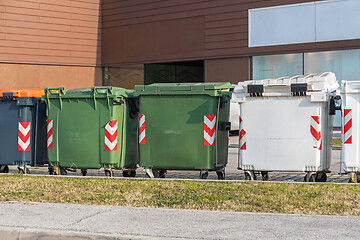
column 23, row 92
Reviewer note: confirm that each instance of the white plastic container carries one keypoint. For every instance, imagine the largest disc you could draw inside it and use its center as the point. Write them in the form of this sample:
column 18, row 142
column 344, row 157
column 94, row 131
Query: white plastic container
column 350, row 131
column 285, row 125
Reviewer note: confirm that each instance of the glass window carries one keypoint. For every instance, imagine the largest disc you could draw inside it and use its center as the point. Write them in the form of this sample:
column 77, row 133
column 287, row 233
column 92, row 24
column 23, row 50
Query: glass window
column 345, row 64
column 126, row 76
column 177, row 72
column 275, row 66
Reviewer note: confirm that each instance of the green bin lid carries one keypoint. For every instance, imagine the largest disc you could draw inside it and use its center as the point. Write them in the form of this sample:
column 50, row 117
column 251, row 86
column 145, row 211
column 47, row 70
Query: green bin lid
column 212, row 89
column 88, row 92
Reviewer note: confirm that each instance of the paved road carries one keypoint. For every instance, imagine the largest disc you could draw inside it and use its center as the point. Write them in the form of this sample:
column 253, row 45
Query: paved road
column 148, row 223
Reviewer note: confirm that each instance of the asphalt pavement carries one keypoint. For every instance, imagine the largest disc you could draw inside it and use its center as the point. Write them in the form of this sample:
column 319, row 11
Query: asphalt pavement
column 22, row 221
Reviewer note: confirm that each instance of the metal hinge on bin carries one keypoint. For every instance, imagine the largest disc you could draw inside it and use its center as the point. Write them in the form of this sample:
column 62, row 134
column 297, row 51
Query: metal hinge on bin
column 255, row 90
column 299, row 89
column 8, row 95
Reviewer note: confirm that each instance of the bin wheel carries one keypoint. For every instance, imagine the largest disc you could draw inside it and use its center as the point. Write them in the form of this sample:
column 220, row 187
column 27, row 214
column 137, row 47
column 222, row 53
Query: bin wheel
column 250, row 175
column 63, row 171
column 129, row 173
column 221, row 174
column 109, row 172
column 265, row 176
column 51, row 170
column 84, row 172
column 204, row 174
column 320, row 177
column 310, row 177
column 162, row 173
column 4, row 168
column 353, row 178
column 23, row 170
column 155, row 173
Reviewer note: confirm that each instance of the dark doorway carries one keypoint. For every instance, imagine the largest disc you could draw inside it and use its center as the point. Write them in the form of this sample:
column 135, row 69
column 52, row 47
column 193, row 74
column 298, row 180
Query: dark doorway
column 176, row 72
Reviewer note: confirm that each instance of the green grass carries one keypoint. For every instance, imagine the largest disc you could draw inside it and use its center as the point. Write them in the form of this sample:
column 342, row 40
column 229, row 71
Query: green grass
column 336, row 142
column 334, row 199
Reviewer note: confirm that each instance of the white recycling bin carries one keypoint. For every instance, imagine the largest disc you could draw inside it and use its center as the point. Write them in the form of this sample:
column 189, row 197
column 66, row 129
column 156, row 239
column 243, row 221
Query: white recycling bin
column 286, row 125
column 350, row 109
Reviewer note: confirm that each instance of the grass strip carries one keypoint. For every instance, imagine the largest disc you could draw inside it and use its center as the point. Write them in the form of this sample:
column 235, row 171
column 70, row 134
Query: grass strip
column 336, row 141
column 317, row 198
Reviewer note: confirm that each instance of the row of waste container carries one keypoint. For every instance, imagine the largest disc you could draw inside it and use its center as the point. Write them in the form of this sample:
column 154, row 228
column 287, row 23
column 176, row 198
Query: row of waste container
column 285, row 125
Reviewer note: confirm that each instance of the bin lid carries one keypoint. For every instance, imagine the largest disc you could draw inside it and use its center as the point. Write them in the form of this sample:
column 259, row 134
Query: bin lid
column 350, row 86
column 22, row 92
column 88, row 92
column 213, row 89
column 324, row 82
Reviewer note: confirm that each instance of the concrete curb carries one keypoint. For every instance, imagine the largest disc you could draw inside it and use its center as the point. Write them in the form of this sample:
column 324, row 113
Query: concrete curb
column 18, row 233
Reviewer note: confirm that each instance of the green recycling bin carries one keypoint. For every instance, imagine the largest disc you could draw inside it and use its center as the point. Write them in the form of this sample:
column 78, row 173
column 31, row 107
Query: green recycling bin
column 184, row 126
column 91, row 128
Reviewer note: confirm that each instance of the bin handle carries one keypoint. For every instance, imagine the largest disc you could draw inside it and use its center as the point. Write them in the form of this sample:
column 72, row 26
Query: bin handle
column 52, row 91
column 109, row 91
column 60, row 90
column 95, row 91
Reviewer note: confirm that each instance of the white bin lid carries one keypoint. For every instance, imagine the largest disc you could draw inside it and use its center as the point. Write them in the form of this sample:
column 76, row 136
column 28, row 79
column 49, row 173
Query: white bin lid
column 315, row 83
column 350, row 86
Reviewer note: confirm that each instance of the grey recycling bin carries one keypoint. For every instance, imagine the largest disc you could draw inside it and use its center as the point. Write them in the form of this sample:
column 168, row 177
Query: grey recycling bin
column 22, row 129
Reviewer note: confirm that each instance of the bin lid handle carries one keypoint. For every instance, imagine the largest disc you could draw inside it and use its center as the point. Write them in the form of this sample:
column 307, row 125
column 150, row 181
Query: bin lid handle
column 60, row 90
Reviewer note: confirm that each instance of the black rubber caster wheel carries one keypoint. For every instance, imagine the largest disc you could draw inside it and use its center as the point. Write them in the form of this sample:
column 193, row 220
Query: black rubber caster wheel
column 204, row 174
column 63, row 171
column 353, row 178
column 109, row 173
column 4, row 169
column 24, row 171
column 129, row 173
column 162, row 173
column 83, row 172
column 154, row 172
column 320, row 177
column 51, row 170
column 250, row 176
column 265, row 176
column 221, row 175
column 310, row 177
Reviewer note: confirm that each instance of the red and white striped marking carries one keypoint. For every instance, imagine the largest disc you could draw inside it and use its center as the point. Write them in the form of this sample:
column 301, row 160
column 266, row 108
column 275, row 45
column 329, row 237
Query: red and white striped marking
column 50, row 133
column 24, row 136
column 242, row 135
column 209, row 129
column 316, row 131
column 142, row 139
column 347, row 126
column 111, row 130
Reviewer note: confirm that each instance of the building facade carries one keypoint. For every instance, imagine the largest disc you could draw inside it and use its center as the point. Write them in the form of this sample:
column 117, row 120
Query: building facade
column 77, row 43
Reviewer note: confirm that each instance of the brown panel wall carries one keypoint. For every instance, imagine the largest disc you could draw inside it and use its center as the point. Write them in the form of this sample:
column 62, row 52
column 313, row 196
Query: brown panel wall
column 40, row 76
column 232, row 70
column 59, row 32
column 155, row 41
column 218, row 27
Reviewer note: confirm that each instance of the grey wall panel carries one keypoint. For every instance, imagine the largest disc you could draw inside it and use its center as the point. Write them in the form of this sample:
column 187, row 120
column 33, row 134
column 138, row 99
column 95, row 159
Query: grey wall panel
column 282, row 25
column 302, row 23
column 337, row 20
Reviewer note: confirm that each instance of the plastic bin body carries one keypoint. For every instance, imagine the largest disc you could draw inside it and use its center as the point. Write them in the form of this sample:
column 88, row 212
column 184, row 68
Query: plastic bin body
column 350, row 154
column 174, row 126
column 80, row 119
column 284, row 128
column 31, row 112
